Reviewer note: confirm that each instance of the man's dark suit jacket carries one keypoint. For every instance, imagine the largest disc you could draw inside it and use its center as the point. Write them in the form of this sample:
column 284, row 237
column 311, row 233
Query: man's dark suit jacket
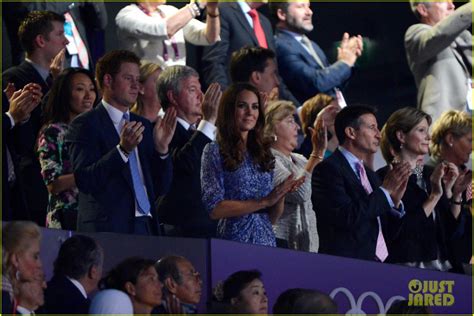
column 236, row 33
column 63, row 297
column 182, row 206
column 106, row 195
column 23, row 143
column 302, row 73
column 346, row 214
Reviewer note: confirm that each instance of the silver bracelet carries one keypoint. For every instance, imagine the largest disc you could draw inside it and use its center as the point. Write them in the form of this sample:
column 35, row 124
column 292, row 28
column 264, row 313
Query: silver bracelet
column 194, row 10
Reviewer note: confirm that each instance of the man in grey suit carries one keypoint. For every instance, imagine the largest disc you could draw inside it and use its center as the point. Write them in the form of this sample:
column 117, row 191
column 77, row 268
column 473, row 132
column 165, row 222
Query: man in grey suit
column 439, row 53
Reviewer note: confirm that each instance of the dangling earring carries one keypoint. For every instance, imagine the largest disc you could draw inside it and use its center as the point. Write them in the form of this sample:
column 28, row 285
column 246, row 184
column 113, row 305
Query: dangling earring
column 401, row 146
column 451, row 145
column 275, row 138
column 17, row 275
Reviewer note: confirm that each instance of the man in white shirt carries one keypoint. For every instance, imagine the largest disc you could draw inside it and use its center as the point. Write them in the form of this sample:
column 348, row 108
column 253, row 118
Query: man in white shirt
column 179, row 88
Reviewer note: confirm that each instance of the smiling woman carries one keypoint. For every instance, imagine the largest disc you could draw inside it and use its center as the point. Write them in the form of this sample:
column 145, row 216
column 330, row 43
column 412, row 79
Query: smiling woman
column 73, row 92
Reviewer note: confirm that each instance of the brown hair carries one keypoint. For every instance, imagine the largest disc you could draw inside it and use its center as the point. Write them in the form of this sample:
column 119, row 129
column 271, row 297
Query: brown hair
column 37, row 23
column 311, row 109
column 403, row 120
column 111, row 62
column 229, row 139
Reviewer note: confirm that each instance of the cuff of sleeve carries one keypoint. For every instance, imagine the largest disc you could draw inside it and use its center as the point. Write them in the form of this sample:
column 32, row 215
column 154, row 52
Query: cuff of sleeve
column 207, row 129
column 124, row 158
column 12, row 121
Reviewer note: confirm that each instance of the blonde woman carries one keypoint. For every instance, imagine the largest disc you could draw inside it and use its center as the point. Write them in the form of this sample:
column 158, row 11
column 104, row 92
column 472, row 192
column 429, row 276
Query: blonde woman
column 148, row 104
column 296, row 228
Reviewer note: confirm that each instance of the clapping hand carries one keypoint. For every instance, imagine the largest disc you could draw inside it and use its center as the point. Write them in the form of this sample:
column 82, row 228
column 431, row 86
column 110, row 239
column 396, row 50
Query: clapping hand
column 57, row 64
column 164, row 130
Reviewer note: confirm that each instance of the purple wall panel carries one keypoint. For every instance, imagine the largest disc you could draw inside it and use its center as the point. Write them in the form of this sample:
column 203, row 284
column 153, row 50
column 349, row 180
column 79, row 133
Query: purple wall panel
column 283, row 269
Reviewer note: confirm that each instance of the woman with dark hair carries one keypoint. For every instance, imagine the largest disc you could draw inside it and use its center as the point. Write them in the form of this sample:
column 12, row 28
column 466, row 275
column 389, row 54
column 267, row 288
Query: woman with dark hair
column 304, row 301
column 418, row 238
column 237, row 171
column 243, row 292
column 137, row 277
column 72, row 93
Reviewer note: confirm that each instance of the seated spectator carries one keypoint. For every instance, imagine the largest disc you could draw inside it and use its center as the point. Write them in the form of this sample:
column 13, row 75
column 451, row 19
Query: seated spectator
column 349, row 196
column 111, row 302
column 296, row 228
column 451, row 141
column 326, row 107
column 20, row 259
column 244, row 293
column 419, row 238
column 30, row 296
column 403, row 308
column 304, row 301
column 237, row 171
column 77, row 271
column 182, row 285
column 148, row 104
column 138, row 278
column 73, row 92
column 157, row 32
column 257, row 66
column 179, row 89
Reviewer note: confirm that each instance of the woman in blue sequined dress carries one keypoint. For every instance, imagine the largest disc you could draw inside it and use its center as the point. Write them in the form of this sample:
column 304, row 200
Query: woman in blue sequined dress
column 237, row 171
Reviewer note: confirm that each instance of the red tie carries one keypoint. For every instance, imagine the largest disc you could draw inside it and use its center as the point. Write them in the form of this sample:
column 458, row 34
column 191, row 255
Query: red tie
column 257, row 28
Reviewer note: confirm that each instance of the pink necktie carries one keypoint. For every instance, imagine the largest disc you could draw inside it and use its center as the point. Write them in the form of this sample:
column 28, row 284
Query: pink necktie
column 257, row 28
column 81, row 47
column 381, row 250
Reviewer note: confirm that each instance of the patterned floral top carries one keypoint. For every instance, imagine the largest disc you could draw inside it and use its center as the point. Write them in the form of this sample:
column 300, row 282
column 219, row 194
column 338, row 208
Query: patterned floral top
column 54, row 159
column 248, row 182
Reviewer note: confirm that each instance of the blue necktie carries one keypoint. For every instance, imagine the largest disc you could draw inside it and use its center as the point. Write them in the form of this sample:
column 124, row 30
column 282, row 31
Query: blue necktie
column 140, row 194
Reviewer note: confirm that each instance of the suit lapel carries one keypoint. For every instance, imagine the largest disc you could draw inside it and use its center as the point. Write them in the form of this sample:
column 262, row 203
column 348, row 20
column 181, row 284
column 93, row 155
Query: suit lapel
column 240, row 16
column 37, row 77
column 304, row 53
column 349, row 172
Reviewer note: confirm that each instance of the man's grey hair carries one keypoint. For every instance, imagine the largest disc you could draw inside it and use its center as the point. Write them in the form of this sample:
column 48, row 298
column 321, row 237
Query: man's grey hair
column 170, row 79
column 414, row 4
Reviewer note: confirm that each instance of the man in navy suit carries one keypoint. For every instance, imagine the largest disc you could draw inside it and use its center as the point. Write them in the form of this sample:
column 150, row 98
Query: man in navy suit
column 238, row 30
column 179, row 88
column 121, row 163
column 348, row 215
column 302, row 63
column 41, row 34
column 77, row 272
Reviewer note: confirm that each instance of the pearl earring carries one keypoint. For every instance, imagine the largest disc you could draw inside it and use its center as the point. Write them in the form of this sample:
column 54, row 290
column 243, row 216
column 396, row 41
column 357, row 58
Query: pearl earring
column 275, row 138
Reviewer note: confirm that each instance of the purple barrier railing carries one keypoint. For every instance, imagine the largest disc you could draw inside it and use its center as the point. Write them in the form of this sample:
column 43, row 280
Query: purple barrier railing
column 358, row 286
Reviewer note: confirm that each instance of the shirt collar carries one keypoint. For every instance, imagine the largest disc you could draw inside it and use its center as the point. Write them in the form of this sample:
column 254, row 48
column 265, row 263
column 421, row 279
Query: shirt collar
column 244, row 6
column 79, row 286
column 44, row 73
column 296, row 36
column 115, row 114
column 22, row 310
column 183, row 123
column 351, row 159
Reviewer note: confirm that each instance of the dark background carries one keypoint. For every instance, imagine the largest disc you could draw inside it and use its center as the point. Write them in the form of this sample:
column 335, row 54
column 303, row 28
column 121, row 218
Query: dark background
column 382, row 77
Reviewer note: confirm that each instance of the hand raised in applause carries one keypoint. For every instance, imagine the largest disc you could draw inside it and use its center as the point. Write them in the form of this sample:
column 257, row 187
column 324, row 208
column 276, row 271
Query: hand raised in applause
column 396, row 179
column 24, row 101
column 210, row 103
column 131, row 135
column 164, row 130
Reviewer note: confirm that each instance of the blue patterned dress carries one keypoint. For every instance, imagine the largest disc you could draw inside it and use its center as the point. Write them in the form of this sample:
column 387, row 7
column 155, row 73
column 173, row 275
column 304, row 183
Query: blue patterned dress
column 248, row 182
